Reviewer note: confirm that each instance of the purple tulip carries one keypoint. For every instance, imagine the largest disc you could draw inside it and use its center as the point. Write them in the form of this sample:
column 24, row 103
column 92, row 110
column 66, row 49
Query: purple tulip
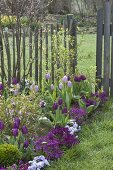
column 65, row 79
column 1, row 86
column 64, row 110
column 26, row 144
column 60, row 101
column 24, row 130
column 60, row 86
column 17, row 120
column 15, row 132
column 69, row 84
column 52, row 87
column 47, row 76
column 82, row 77
column 77, row 78
column 55, row 106
column 1, row 125
column 14, row 81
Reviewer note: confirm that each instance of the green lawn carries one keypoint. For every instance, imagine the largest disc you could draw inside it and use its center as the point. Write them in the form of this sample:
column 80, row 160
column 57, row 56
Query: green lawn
column 95, row 151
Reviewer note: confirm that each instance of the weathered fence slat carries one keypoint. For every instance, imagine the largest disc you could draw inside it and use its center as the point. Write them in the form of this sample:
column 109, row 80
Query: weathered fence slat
column 99, row 46
column 2, row 58
column 111, row 88
column 52, row 56
column 8, row 56
column 72, row 45
column 36, row 55
column 30, row 51
column 64, row 27
column 107, row 47
column 14, row 61
column 57, row 56
column 46, row 45
column 40, row 65
column 24, row 55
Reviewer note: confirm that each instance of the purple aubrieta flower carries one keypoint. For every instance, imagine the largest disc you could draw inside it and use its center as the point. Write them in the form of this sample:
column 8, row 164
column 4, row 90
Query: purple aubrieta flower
column 1, row 86
column 15, row 132
column 1, row 125
column 24, row 130
column 14, row 80
column 47, row 76
column 60, row 86
column 26, row 144
column 52, row 87
column 60, row 101
column 69, row 83
column 55, row 106
column 65, row 79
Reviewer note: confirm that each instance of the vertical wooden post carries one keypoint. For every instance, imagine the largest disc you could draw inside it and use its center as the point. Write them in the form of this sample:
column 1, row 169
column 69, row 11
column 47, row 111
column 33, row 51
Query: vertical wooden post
column 30, row 51
column 46, row 44
column 65, row 62
column 52, row 57
column 1, row 57
column 14, row 61
column 8, row 56
column 24, row 56
column 107, row 47
column 99, row 43
column 36, row 55
column 73, row 42
column 40, row 66
column 111, row 88
column 57, row 56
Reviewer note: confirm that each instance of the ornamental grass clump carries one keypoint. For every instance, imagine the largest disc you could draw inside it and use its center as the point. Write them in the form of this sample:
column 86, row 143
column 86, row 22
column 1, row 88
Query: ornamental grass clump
column 9, row 154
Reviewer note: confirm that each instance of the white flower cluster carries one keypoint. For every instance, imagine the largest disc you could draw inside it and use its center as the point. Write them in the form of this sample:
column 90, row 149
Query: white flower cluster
column 73, row 127
column 38, row 163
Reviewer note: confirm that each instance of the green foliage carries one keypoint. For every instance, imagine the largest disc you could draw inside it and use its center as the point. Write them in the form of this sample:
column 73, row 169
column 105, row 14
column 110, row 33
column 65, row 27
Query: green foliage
column 95, row 150
column 9, row 154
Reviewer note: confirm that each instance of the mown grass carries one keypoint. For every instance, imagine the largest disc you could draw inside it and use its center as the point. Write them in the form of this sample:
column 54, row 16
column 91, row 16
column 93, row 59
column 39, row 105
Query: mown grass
column 95, row 151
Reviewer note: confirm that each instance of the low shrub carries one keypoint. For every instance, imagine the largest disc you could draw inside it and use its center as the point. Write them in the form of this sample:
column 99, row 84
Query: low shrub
column 9, row 154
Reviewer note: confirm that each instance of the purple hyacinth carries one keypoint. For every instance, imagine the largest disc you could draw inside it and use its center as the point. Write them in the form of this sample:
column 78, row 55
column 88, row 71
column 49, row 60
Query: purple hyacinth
column 15, row 132
column 1, row 125
column 83, row 77
column 14, row 81
column 16, row 123
column 47, row 76
column 60, row 101
column 1, row 86
column 55, row 106
column 26, row 144
column 77, row 79
column 24, row 130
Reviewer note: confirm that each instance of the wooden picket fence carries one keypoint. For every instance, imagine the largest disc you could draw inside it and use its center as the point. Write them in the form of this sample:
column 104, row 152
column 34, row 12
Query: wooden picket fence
column 22, row 61
column 104, row 53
